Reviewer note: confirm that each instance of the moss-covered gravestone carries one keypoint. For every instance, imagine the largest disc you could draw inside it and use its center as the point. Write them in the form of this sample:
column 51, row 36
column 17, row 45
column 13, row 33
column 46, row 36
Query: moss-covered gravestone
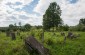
column 72, row 35
column 18, row 33
column 7, row 33
column 13, row 36
column 33, row 45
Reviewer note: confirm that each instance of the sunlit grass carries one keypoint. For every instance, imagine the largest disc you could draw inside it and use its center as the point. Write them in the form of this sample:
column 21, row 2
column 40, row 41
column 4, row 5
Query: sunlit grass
column 56, row 45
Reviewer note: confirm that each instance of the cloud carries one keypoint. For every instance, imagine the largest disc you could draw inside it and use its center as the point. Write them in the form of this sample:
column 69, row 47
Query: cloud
column 8, row 14
column 12, row 2
column 71, row 12
column 42, row 6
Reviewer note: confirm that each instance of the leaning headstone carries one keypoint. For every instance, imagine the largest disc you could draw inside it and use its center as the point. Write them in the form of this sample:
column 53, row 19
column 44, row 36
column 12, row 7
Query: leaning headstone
column 34, row 46
column 13, row 36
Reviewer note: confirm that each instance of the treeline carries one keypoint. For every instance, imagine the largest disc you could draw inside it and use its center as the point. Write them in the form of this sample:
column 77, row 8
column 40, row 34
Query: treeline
column 14, row 27
column 28, row 27
column 52, row 21
column 80, row 26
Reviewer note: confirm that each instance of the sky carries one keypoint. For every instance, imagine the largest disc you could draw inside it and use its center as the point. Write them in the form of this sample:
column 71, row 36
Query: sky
column 32, row 11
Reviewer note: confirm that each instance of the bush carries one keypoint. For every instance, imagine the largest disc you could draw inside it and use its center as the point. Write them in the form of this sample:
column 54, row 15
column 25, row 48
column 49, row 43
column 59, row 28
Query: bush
column 49, row 41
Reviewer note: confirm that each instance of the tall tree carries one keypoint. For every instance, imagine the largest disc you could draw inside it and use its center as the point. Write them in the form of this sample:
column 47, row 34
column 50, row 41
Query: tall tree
column 27, row 27
column 82, row 21
column 51, row 18
column 19, row 24
column 11, row 26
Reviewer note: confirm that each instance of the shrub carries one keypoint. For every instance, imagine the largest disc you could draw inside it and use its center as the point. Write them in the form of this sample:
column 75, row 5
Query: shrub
column 49, row 41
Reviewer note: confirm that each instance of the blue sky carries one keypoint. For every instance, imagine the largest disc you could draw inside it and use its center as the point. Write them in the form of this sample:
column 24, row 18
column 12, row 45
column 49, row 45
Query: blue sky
column 31, row 11
column 73, row 1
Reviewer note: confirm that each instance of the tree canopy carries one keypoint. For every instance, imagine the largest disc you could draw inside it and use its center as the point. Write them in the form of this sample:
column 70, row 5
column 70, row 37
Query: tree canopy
column 51, row 18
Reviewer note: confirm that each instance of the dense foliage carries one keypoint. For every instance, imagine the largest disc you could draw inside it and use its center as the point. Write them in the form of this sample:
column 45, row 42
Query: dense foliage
column 51, row 18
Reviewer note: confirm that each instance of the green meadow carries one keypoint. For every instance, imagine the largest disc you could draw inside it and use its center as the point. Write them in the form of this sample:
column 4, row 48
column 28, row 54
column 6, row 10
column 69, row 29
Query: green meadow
column 55, row 44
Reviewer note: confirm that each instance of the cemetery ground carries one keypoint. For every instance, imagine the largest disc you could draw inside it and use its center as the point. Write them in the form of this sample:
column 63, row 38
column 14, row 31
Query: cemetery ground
column 55, row 44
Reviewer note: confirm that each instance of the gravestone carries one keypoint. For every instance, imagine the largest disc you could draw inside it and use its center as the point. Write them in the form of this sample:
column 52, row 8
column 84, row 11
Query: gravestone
column 13, row 36
column 34, row 46
column 42, row 36
column 70, row 35
column 7, row 33
column 64, row 40
column 18, row 33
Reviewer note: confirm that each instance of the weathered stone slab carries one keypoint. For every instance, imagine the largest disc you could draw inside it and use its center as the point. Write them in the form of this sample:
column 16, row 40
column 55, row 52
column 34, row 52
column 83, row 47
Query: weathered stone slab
column 33, row 45
column 7, row 33
column 13, row 36
column 72, row 35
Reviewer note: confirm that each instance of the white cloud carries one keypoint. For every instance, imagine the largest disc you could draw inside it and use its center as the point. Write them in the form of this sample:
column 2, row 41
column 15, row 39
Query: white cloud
column 6, row 12
column 24, row 2
column 71, row 13
column 42, row 6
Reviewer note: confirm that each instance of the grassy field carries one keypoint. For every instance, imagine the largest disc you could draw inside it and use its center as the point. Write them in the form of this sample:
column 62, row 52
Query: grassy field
column 53, row 42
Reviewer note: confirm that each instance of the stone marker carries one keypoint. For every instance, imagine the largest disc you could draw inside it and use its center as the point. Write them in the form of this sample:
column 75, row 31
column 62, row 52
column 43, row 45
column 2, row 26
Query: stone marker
column 64, row 40
column 13, row 36
column 70, row 35
column 7, row 33
column 34, row 46
column 42, row 36
column 18, row 33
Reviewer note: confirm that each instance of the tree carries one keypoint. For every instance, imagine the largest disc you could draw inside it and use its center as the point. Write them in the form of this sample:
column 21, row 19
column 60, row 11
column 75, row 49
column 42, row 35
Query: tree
column 81, row 25
column 19, row 24
column 82, row 21
column 11, row 26
column 51, row 18
column 27, row 27
column 66, row 27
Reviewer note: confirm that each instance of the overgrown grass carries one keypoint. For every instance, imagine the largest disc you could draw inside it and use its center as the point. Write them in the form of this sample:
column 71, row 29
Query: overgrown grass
column 53, row 42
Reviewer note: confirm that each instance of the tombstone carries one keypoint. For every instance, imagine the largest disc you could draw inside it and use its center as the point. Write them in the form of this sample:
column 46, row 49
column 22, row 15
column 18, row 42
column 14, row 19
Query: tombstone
column 64, row 40
column 8, row 33
column 70, row 35
column 13, row 36
column 18, row 33
column 42, row 36
column 62, row 33
column 33, row 45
